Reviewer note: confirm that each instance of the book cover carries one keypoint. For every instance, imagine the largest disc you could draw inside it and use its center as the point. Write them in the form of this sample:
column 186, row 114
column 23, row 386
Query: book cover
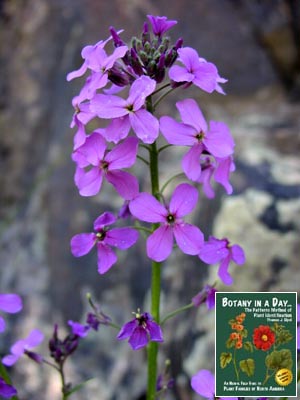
column 256, row 344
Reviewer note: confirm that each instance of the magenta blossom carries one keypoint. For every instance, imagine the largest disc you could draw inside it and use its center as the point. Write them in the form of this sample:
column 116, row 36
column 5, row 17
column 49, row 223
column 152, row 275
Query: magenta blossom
column 217, row 168
column 140, row 330
column 9, row 303
column 194, row 132
column 160, row 25
column 101, row 163
column 203, row 383
column 129, row 112
column 78, row 329
column 188, row 237
column 216, row 250
column 197, row 71
column 207, row 295
column 6, row 391
column 23, row 346
column 104, row 239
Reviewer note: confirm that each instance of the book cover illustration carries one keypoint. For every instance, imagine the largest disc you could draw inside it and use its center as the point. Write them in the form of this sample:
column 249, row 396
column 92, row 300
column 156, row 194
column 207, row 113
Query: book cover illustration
column 256, row 348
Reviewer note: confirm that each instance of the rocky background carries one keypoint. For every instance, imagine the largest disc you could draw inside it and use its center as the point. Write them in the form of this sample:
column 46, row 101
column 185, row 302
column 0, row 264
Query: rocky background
column 256, row 45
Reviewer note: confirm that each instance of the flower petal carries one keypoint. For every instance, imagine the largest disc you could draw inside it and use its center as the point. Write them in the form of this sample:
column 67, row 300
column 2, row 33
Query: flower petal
column 155, row 331
column 223, row 271
column 180, row 74
column 191, row 114
column 218, row 140
column 10, row 303
column 106, row 258
column 140, row 90
column 147, row 208
column 237, row 254
column 107, row 218
column 123, row 155
column 183, row 200
column 34, row 338
column 117, row 129
column 206, row 77
column 82, row 243
column 127, row 329
column 189, row 238
column 108, row 106
column 89, row 183
column 191, row 162
column 203, row 383
column 122, row 238
column 145, row 125
column 222, row 173
column 160, row 243
column 125, row 184
column 10, row 359
column 214, row 251
column 177, row 133
column 92, row 151
column 139, row 338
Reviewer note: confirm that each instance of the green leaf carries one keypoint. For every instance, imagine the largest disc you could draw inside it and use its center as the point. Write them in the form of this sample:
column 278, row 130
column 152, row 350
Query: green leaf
column 279, row 359
column 284, row 336
column 230, row 343
column 225, row 359
column 248, row 366
column 244, row 333
column 248, row 346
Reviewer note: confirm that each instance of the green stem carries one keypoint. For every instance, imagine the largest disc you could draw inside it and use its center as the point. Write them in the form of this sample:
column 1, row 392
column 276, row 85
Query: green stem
column 155, row 281
column 235, row 366
column 175, row 312
column 162, row 97
column 170, row 180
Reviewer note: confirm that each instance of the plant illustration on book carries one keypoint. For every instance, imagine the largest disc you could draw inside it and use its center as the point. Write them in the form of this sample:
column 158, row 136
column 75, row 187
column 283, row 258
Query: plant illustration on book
column 125, row 87
column 266, row 338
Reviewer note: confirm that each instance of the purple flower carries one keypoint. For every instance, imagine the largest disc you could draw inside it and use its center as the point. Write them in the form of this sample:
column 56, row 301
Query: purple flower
column 22, row 346
column 101, row 163
column 197, row 71
column 78, row 329
column 188, row 237
column 219, row 250
column 203, row 383
column 206, row 295
column 160, row 24
column 104, row 239
column 194, row 132
column 220, row 169
column 7, row 391
column 9, row 303
column 129, row 112
column 140, row 330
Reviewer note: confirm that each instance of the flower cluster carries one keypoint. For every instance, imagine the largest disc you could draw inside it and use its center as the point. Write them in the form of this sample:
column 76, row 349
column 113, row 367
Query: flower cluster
column 102, row 154
column 239, row 331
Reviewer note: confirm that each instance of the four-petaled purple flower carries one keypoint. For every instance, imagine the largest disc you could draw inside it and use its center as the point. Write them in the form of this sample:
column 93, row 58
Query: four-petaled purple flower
column 93, row 154
column 6, row 391
column 140, row 330
column 196, row 70
column 128, row 113
column 160, row 25
column 104, row 239
column 219, row 250
column 193, row 131
column 203, row 383
column 23, row 346
column 188, row 237
column 10, row 303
